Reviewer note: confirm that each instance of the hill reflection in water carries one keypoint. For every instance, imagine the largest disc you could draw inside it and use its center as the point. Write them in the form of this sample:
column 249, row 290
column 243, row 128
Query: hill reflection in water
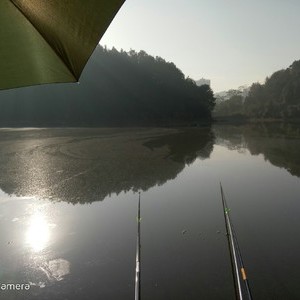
column 86, row 165
column 279, row 143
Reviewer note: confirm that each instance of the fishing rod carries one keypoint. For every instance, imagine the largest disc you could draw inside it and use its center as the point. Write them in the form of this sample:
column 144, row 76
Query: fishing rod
column 237, row 262
column 137, row 295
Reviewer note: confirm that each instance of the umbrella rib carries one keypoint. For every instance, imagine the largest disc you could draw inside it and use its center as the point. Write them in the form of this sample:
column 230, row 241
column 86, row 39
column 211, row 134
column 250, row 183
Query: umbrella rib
column 70, row 69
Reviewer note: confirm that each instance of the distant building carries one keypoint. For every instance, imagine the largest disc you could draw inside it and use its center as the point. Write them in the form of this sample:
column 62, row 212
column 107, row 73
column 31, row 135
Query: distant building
column 203, row 81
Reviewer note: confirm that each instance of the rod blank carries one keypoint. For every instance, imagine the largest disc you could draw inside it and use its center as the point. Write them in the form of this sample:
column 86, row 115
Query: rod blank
column 137, row 295
column 238, row 268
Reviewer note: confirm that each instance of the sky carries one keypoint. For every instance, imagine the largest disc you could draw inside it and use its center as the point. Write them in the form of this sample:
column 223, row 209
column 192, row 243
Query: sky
column 230, row 42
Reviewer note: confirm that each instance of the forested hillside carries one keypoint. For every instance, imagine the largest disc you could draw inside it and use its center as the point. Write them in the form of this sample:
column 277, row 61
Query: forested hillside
column 117, row 88
column 277, row 98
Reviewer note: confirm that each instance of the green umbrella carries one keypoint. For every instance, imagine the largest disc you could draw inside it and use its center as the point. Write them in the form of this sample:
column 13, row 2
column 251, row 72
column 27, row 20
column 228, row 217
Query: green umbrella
column 47, row 41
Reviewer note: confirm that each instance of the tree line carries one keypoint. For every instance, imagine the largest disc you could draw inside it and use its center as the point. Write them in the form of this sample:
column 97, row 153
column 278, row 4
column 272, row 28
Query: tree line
column 117, row 88
column 277, row 98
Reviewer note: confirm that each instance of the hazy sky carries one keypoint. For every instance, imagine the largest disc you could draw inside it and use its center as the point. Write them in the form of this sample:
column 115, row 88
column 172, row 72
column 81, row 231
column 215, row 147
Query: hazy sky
column 231, row 42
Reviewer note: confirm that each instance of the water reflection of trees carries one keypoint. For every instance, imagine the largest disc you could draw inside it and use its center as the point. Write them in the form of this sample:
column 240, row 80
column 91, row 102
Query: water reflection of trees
column 278, row 142
column 85, row 165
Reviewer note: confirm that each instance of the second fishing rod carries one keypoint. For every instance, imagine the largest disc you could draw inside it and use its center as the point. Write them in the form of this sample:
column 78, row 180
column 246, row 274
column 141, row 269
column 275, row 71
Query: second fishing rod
column 137, row 293
column 241, row 282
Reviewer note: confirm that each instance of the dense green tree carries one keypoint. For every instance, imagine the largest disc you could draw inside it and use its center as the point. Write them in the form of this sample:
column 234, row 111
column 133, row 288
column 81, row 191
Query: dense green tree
column 117, row 88
column 277, row 98
column 231, row 107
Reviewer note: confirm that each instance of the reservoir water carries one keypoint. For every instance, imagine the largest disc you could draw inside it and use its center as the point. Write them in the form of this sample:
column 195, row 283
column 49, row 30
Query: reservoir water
column 68, row 205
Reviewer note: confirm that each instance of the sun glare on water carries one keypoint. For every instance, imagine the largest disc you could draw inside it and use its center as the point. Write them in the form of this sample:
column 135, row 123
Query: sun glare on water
column 38, row 233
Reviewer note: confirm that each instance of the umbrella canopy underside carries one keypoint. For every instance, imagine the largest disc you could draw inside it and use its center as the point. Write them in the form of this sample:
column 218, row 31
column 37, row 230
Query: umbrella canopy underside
column 50, row 41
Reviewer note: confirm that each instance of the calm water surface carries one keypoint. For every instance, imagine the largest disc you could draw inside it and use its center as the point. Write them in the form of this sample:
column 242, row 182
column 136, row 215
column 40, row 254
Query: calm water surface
column 68, row 204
